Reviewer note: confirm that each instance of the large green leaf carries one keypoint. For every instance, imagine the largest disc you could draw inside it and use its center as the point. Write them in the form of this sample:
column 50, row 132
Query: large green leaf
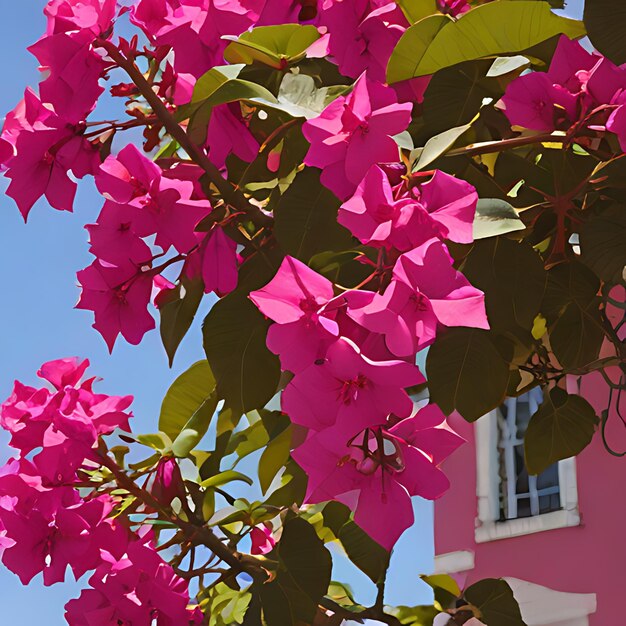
column 306, row 218
column 513, row 278
column 370, row 557
column 606, row 24
column 603, row 243
column 495, row 217
column 276, row 46
column 493, row 29
column 247, row 373
column 495, row 602
column 456, row 94
column 562, row 427
column 302, row 579
column 188, row 407
column 177, row 313
column 466, row 372
column 572, row 308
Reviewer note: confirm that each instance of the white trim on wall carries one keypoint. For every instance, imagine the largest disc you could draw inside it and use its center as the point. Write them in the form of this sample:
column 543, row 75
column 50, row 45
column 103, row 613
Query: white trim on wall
column 454, row 562
column 488, row 528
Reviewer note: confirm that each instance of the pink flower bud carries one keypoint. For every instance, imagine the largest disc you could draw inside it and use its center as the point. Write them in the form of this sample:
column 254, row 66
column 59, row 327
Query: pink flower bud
column 168, row 481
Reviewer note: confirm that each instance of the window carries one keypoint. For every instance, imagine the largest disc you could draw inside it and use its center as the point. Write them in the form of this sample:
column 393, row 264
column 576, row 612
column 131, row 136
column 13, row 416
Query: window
column 510, row 502
column 522, row 495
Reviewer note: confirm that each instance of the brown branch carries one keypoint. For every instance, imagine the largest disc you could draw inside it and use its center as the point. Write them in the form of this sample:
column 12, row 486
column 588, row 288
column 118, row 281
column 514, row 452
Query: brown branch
column 198, row 535
column 230, row 194
column 499, row 146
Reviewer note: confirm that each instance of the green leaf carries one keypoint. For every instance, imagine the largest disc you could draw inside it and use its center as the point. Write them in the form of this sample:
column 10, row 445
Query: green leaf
column 495, row 602
column 156, row 441
column 414, row 615
column 225, row 477
column 603, row 244
column 370, row 557
column 513, row 278
column 438, row 145
column 496, row 28
column 466, row 372
column 456, row 95
column 188, row 407
column 306, row 218
column 562, row 427
column 415, row 10
column 495, row 217
column 302, row 578
column 275, row 455
column 247, row 373
column 210, row 82
column 606, row 23
column 505, row 65
column 292, row 489
column 177, row 313
column 572, row 308
column 446, row 589
column 275, row 46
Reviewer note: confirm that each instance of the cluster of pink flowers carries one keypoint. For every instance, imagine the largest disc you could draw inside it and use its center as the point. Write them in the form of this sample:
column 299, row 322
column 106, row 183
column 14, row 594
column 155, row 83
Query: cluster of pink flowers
column 46, row 525
column 353, row 354
column 581, row 89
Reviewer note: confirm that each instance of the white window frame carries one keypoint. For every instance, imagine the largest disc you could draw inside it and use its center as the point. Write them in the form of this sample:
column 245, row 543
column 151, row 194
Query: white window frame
column 488, row 528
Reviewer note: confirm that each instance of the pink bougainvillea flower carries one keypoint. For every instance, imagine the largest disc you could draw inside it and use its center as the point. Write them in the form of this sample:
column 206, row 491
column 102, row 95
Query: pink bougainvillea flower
column 45, row 149
column 138, row 588
column 617, row 121
column 363, row 35
column 52, row 529
column 374, row 216
column 220, row 262
column 126, row 176
column 294, row 299
column 169, row 212
column 296, row 292
column 119, row 297
column 534, row 101
column 228, row 134
column 157, row 205
column 66, row 16
column 426, row 291
column 262, row 539
column 349, row 392
column 576, row 83
column 64, row 372
column 73, row 71
column 355, row 132
column 402, row 218
column 377, row 472
column 113, row 238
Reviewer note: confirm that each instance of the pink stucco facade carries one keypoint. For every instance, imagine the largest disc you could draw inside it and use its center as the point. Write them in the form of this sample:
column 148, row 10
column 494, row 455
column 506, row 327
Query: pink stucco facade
column 588, row 558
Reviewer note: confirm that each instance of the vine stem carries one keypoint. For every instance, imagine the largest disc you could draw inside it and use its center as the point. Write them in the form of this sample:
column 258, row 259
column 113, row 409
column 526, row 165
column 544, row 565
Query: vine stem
column 230, row 194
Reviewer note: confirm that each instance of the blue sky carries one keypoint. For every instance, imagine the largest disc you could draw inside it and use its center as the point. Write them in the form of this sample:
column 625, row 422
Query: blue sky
column 38, row 263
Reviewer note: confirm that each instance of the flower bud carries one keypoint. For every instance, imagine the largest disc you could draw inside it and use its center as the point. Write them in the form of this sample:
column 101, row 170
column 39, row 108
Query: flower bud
column 168, row 481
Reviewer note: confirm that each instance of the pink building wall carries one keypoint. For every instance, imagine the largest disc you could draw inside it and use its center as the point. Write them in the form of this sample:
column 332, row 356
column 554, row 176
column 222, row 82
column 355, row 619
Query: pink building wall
column 590, row 558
